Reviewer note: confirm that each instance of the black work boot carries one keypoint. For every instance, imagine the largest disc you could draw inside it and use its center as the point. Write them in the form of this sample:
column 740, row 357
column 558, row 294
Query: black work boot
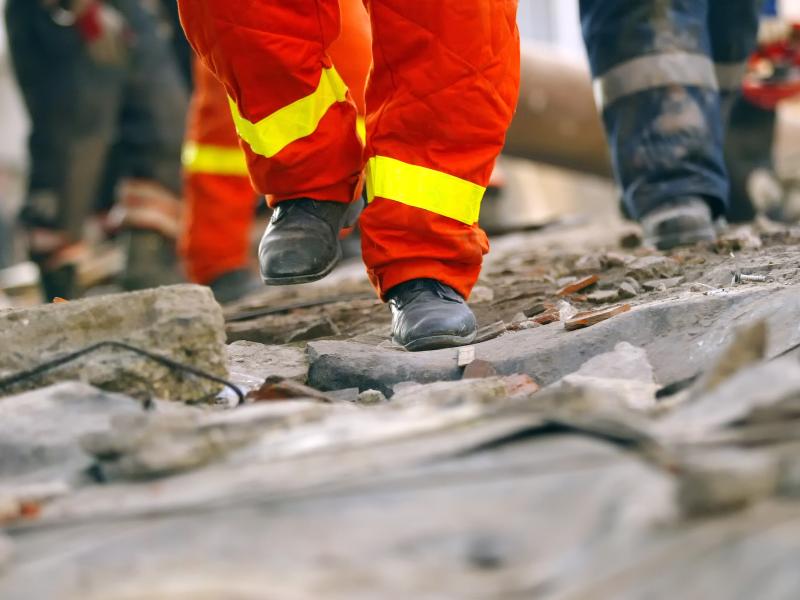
column 427, row 315
column 301, row 243
column 679, row 223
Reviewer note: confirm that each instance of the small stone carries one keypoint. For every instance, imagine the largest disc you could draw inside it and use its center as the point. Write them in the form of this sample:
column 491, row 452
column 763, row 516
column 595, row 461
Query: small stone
column 618, row 259
column 603, row 296
column 590, row 263
column 535, row 310
column 653, row 267
column 626, row 290
column 371, row 398
column 479, row 369
column 635, row 284
column 662, row 285
column 566, row 311
column 321, row 329
column 725, row 480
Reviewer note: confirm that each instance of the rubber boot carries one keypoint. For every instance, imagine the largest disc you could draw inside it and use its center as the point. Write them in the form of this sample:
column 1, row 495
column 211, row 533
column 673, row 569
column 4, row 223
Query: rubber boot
column 679, row 223
column 427, row 315
column 301, row 243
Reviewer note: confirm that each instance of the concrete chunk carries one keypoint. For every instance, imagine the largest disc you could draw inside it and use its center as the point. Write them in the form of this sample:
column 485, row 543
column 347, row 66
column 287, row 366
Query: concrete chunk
column 181, row 322
column 549, row 353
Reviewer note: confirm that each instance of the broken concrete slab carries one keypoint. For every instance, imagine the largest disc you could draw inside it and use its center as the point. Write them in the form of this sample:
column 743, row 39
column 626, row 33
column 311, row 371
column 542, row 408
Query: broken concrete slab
column 751, row 393
column 40, row 431
column 251, row 363
column 182, row 323
column 682, row 336
column 152, row 445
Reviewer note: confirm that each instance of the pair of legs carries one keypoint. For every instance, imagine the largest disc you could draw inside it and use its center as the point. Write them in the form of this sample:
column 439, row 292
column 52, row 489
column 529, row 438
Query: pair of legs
column 440, row 97
column 666, row 76
column 93, row 124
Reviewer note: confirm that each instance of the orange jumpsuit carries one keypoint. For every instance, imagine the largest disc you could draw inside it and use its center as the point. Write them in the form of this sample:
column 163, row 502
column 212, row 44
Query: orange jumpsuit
column 440, row 98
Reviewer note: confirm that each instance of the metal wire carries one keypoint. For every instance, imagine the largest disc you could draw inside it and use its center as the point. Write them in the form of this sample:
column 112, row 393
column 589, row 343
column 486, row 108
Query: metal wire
column 49, row 365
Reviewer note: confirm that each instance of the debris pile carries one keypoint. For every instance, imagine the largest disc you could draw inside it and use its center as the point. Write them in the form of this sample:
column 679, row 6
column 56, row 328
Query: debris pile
column 637, row 411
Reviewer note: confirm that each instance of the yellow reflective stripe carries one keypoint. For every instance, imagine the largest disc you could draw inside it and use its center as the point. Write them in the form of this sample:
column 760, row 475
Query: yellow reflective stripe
column 361, row 128
column 424, row 188
column 293, row 122
column 213, row 160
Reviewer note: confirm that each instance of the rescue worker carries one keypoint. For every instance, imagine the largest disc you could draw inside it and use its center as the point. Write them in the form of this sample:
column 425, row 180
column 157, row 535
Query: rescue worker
column 441, row 95
column 107, row 106
column 666, row 76
column 220, row 201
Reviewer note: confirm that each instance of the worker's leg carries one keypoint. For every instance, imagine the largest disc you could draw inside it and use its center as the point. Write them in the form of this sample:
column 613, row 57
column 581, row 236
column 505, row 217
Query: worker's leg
column 295, row 118
column 441, row 96
column 150, row 133
column 73, row 103
column 291, row 108
column 220, row 201
column 656, row 86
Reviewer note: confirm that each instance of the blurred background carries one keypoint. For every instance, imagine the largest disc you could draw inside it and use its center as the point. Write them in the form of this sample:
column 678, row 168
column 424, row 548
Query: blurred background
column 114, row 193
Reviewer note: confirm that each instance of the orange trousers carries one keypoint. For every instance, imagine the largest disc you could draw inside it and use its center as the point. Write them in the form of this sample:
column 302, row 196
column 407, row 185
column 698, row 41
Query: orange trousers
column 219, row 198
column 441, row 95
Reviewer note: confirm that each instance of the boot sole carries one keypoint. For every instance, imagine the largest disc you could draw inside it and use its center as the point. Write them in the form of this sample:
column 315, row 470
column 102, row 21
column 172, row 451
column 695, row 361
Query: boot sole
column 298, row 279
column 440, row 342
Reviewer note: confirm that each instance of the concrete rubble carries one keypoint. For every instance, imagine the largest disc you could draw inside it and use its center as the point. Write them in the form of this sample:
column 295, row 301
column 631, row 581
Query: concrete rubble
column 625, row 426
column 182, row 323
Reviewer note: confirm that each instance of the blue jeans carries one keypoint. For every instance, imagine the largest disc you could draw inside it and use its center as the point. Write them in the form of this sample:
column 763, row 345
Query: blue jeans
column 666, row 74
